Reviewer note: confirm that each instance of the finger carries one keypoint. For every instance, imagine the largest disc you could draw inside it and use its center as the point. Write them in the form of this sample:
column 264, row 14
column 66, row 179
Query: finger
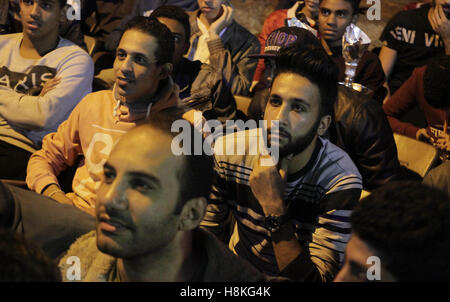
column 54, row 79
column 52, row 83
column 227, row 13
column 440, row 14
column 49, row 87
column 433, row 21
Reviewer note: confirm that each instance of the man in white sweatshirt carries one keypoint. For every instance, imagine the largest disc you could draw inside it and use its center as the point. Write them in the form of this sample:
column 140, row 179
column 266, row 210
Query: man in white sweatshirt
column 42, row 78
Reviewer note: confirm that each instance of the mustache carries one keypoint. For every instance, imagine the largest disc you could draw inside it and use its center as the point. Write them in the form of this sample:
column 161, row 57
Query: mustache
column 115, row 217
column 279, row 132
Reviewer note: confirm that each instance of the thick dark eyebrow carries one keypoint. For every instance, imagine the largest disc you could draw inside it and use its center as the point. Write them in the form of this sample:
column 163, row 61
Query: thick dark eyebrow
column 139, row 174
column 133, row 53
column 49, row 1
column 342, row 11
column 108, row 166
column 147, row 176
column 302, row 101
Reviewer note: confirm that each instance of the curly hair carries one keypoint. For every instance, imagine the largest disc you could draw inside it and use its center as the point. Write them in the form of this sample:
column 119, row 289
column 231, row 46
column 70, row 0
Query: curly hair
column 408, row 224
column 436, row 82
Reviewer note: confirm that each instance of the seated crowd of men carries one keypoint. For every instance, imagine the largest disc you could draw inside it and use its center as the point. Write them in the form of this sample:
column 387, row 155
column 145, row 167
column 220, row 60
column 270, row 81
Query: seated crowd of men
column 134, row 210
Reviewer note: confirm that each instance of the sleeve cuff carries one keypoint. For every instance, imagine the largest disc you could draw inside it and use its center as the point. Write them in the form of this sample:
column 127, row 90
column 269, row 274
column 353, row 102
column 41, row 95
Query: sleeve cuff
column 41, row 184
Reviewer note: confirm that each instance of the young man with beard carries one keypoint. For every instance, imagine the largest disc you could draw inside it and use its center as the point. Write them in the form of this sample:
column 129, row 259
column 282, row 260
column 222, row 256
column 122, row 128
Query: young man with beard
column 359, row 126
column 150, row 204
column 42, row 78
column 143, row 86
column 218, row 40
column 412, row 38
column 292, row 217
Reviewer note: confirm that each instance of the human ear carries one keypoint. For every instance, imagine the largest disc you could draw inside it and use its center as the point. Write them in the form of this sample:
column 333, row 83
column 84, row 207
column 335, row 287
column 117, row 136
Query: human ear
column 324, row 123
column 192, row 214
column 166, row 70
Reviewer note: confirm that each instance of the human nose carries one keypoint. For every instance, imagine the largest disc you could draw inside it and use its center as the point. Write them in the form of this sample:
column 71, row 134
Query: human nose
column 114, row 196
column 35, row 9
column 126, row 65
column 283, row 114
column 331, row 19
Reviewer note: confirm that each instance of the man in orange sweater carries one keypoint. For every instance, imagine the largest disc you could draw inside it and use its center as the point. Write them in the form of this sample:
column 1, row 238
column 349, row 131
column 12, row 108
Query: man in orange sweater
column 143, row 86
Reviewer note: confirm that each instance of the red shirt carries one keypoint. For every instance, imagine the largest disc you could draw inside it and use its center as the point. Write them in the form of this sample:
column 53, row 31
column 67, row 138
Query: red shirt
column 409, row 94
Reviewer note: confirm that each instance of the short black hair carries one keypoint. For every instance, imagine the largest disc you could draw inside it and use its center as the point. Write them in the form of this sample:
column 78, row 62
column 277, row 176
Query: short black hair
column 311, row 61
column 436, row 82
column 354, row 4
column 408, row 224
column 175, row 13
column 151, row 26
column 197, row 173
column 23, row 261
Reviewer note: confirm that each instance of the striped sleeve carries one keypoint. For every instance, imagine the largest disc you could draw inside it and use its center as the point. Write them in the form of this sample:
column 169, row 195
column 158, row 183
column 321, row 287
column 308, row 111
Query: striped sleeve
column 333, row 232
column 217, row 213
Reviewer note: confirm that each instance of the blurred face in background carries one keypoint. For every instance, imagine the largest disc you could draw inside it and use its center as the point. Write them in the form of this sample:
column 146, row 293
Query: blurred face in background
column 179, row 34
column 312, row 6
column 211, row 9
column 40, row 18
column 334, row 17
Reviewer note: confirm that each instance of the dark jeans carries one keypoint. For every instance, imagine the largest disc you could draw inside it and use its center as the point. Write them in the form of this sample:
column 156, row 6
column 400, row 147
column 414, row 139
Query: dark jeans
column 47, row 223
column 13, row 161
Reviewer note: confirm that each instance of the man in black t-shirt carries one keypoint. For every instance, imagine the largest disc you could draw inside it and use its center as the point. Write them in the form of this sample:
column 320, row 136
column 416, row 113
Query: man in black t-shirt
column 411, row 38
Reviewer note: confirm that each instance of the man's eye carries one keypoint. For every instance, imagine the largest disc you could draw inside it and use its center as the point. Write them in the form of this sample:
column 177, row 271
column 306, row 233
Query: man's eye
column 298, row 108
column 121, row 55
column 341, row 14
column 140, row 185
column 29, row 2
column 140, row 60
column 275, row 102
column 109, row 176
column 47, row 6
column 324, row 12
